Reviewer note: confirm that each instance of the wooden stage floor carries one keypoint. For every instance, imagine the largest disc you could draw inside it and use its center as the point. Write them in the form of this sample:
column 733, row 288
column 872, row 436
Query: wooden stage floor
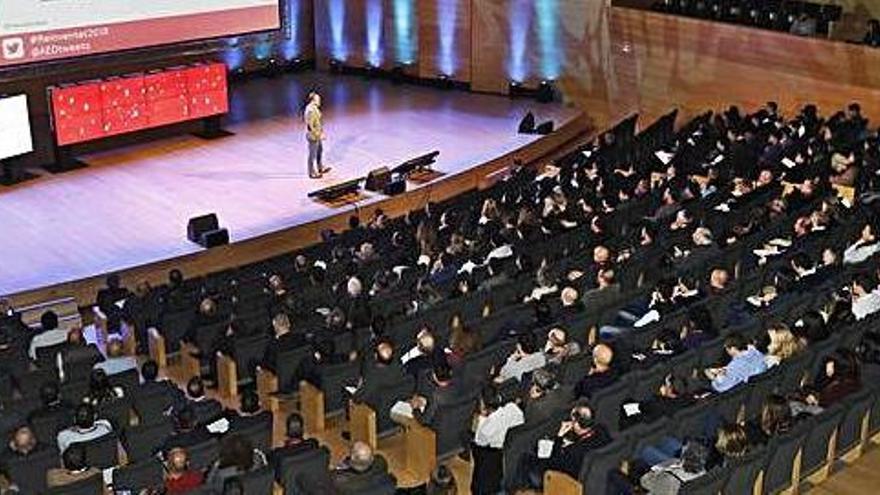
column 130, row 206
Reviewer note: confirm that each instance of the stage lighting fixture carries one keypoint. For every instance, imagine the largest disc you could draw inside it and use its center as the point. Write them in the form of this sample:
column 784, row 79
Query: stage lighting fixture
column 273, row 68
column 546, row 92
column 445, row 81
column 398, row 74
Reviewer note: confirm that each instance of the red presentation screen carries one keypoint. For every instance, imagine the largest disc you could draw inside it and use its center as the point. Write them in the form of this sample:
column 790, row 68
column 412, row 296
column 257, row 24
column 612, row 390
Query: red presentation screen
column 101, row 108
column 40, row 30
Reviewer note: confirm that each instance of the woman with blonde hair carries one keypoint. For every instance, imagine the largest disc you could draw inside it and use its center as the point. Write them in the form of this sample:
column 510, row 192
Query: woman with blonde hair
column 783, row 344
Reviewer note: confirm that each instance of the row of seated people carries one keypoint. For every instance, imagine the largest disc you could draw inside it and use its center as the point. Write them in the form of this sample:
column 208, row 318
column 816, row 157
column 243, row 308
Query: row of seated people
column 801, row 18
column 451, row 241
column 182, row 442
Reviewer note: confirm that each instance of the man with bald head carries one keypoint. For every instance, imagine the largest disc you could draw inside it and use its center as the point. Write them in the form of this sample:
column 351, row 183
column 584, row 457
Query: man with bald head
column 361, row 470
column 601, row 374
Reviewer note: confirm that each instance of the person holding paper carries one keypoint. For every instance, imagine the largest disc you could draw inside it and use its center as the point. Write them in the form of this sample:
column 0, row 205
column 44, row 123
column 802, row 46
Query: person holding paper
column 577, row 436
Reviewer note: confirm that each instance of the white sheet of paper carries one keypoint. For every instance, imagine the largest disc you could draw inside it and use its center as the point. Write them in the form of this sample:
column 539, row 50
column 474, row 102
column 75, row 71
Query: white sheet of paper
column 219, row 426
column 631, row 408
column 545, row 448
column 401, row 408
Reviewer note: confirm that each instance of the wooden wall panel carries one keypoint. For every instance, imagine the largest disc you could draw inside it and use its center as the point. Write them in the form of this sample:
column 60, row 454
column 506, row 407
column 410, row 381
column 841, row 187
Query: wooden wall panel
column 617, row 61
column 340, row 31
column 445, row 38
column 665, row 61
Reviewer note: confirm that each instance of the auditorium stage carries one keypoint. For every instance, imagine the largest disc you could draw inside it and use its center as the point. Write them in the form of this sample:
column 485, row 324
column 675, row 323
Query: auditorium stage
column 130, row 206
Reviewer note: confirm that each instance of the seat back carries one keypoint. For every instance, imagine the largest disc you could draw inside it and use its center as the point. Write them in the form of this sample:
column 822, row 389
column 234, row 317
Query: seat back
column 333, row 380
column 260, row 435
column 249, row 352
column 129, row 380
column 606, row 403
column 258, row 482
column 202, row 455
column 746, row 472
column 117, row 411
column 90, row 486
column 451, row 423
column 522, row 439
column 710, row 483
column 46, row 356
column 102, row 452
column 389, row 396
column 599, row 463
column 30, row 383
column 819, row 443
column 151, row 407
column 46, row 427
column 762, row 387
column 784, row 459
column 475, row 370
column 851, row 426
column 144, row 440
column 312, row 461
column 288, row 366
column 138, row 476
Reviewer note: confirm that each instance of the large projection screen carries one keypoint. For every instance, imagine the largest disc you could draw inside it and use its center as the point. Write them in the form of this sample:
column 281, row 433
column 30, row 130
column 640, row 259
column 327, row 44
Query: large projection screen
column 15, row 127
column 40, row 30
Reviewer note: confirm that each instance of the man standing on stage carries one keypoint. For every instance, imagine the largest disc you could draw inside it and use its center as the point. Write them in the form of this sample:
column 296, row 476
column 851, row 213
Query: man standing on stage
column 315, row 135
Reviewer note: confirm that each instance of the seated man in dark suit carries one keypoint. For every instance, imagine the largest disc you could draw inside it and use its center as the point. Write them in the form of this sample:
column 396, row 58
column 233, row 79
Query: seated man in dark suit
column 601, row 374
column 205, row 409
column 54, row 410
column 361, row 470
column 671, row 397
column 577, row 436
column 249, row 413
column 187, row 432
column 152, row 385
column 439, row 392
column 285, row 340
column 385, row 372
column 544, row 397
column 295, row 442
column 108, row 297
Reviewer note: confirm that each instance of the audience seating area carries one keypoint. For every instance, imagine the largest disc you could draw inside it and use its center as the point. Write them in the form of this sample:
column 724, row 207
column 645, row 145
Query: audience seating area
column 778, row 15
column 636, row 260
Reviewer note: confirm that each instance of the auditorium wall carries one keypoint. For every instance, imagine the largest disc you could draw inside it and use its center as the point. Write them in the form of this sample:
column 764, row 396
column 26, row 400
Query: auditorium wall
column 616, row 61
column 429, row 38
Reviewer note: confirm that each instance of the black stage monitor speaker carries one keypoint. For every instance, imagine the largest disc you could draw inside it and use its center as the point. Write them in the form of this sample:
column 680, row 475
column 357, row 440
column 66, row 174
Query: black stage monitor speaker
column 378, row 179
column 213, row 238
column 395, row 188
column 332, row 193
column 199, row 225
column 527, row 124
column 545, row 128
column 419, row 163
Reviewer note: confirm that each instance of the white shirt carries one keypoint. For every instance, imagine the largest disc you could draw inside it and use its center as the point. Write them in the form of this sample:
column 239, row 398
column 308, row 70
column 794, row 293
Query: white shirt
column 492, row 429
column 859, row 252
column 72, row 435
column 516, row 368
column 866, row 305
column 46, row 339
